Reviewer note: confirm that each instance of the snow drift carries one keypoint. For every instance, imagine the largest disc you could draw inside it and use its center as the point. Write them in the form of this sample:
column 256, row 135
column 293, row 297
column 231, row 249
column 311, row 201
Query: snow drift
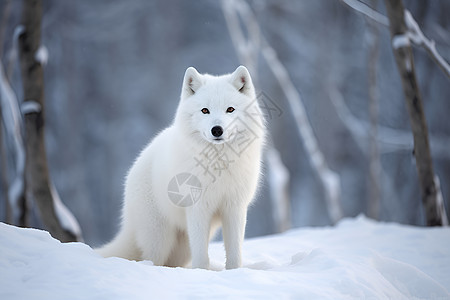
column 358, row 258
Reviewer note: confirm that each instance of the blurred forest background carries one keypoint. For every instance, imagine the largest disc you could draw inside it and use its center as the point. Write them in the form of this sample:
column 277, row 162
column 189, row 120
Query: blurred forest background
column 113, row 80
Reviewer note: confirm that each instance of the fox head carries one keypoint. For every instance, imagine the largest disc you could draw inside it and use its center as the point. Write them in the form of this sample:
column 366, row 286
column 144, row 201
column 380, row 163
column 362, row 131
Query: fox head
column 219, row 109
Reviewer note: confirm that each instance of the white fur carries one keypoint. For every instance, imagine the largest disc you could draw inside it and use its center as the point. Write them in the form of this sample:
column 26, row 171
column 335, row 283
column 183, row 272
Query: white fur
column 155, row 229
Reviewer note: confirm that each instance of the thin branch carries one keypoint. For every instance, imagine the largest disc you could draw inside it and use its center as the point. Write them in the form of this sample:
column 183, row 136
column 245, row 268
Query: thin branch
column 416, row 35
column 12, row 121
column 389, row 139
column 440, row 200
column 247, row 49
column 329, row 180
column 360, row 132
column 368, row 11
column 278, row 175
column 279, row 187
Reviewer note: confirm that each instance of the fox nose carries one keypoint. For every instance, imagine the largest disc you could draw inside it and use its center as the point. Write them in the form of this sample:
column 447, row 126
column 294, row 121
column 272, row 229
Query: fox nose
column 217, row 131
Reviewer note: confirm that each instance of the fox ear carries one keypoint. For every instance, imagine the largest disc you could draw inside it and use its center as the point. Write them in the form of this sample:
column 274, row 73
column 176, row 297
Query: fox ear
column 192, row 82
column 242, row 81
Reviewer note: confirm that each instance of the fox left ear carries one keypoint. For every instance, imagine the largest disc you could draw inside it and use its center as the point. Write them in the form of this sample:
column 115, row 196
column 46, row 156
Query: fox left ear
column 191, row 83
column 242, row 81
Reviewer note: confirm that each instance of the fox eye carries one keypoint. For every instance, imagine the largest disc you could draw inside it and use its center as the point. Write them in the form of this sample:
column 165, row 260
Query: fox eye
column 230, row 109
column 205, row 110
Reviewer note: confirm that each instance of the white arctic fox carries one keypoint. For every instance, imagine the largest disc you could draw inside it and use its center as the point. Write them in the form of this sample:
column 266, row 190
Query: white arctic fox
column 197, row 174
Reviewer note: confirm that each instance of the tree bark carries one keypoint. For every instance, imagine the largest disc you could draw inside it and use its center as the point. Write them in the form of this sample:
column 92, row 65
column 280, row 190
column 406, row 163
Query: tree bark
column 405, row 64
column 33, row 88
column 3, row 174
column 373, row 210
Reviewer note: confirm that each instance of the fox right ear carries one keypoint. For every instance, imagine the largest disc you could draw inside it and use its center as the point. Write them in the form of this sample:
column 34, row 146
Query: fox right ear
column 192, row 82
column 242, row 81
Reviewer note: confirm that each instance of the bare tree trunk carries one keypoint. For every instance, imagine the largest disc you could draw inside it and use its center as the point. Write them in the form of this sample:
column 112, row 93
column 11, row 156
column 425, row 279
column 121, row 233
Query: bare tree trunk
column 33, row 85
column 20, row 214
column 374, row 155
column 3, row 175
column 3, row 162
column 405, row 64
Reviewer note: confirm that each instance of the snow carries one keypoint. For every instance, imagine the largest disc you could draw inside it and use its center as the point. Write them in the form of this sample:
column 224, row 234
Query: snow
column 65, row 217
column 415, row 35
column 30, row 106
column 41, row 55
column 401, row 40
column 358, row 259
column 367, row 11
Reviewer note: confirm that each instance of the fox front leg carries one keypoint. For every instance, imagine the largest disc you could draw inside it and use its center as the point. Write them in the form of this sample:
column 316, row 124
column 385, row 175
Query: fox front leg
column 233, row 229
column 198, row 230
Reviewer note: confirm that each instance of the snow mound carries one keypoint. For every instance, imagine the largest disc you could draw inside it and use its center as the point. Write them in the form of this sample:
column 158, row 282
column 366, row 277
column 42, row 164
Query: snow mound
column 357, row 259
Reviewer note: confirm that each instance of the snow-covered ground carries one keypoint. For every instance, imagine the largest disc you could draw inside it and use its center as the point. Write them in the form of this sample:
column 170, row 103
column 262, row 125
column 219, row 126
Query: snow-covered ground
column 358, row 259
